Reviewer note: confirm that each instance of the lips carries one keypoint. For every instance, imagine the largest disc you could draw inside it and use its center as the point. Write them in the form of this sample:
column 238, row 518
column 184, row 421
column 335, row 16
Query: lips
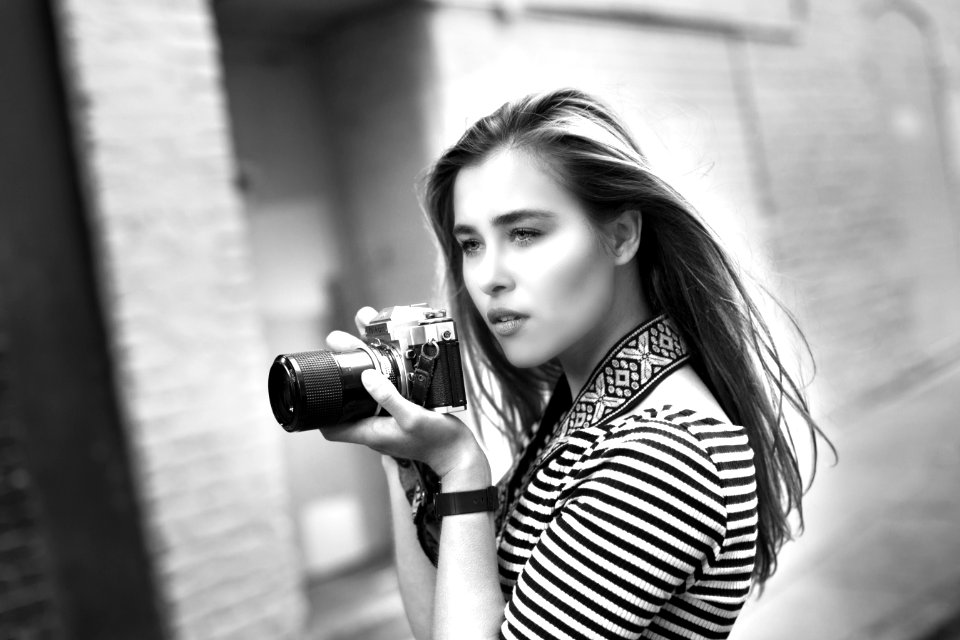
column 498, row 314
column 505, row 322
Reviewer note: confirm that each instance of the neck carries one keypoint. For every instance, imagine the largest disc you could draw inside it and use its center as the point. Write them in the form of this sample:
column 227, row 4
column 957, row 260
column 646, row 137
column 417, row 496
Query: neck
column 628, row 309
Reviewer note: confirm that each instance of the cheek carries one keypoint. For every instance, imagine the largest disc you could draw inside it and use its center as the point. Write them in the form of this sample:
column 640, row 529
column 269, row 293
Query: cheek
column 470, row 284
column 575, row 276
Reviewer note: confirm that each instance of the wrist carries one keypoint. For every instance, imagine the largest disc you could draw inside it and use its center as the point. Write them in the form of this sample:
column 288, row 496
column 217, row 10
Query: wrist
column 470, row 472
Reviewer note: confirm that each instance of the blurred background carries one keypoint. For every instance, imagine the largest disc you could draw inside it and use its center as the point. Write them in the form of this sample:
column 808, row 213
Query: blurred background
column 191, row 187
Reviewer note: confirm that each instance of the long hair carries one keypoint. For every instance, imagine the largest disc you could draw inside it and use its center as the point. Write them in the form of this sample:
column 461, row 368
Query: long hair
column 685, row 273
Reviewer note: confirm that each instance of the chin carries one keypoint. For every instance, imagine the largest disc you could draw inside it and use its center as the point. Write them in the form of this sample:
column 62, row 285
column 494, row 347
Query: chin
column 525, row 358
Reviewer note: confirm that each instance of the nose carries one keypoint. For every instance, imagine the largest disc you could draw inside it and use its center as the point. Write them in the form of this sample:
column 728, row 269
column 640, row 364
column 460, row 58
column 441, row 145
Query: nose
column 493, row 274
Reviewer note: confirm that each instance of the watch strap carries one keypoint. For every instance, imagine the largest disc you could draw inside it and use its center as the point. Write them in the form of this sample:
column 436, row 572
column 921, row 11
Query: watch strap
column 452, row 504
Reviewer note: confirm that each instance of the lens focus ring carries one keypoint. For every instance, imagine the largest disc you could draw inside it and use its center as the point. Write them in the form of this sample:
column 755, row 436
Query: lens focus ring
column 320, row 390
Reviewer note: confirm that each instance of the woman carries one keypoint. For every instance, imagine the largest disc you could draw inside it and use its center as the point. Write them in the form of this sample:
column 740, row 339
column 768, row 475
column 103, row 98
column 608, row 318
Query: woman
column 653, row 490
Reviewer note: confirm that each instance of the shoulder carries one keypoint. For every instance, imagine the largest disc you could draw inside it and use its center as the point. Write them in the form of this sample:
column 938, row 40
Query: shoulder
column 652, row 443
column 682, row 445
column 708, row 431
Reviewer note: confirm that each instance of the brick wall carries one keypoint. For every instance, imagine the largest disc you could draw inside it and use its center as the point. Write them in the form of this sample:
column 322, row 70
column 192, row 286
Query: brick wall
column 189, row 354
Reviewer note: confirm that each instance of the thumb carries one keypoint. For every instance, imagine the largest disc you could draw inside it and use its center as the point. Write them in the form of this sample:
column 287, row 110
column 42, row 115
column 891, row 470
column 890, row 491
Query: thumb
column 385, row 394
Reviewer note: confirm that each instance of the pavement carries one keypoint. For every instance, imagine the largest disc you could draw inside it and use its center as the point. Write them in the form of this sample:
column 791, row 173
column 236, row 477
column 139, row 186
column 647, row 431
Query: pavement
column 359, row 605
column 879, row 560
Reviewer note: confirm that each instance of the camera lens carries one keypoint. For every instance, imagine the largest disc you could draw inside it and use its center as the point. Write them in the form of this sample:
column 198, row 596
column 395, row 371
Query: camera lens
column 315, row 389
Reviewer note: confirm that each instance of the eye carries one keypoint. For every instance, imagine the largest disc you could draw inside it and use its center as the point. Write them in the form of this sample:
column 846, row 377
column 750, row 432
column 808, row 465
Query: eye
column 469, row 246
column 524, row 235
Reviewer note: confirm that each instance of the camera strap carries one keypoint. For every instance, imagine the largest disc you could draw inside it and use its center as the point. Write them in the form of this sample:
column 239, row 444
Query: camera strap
column 420, row 485
column 419, row 481
column 422, row 375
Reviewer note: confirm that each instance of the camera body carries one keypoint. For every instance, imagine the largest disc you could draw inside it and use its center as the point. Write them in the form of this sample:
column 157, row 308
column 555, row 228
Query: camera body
column 415, row 346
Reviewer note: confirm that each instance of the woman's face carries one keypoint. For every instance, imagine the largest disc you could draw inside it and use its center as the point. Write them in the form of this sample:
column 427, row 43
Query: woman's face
column 533, row 265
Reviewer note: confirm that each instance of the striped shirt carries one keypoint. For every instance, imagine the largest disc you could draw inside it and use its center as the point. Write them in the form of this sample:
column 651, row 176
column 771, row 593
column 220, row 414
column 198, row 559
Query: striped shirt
column 644, row 528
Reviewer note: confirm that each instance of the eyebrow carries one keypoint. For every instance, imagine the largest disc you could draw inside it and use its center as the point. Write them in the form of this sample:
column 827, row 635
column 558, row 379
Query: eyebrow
column 509, row 218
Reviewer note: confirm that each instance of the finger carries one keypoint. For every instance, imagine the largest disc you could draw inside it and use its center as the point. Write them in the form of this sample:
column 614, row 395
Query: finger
column 387, row 396
column 364, row 317
column 351, row 432
column 343, row 341
column 380, row 434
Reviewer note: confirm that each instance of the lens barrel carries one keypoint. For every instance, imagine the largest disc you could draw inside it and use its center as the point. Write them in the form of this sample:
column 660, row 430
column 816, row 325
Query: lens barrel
column 316, row 389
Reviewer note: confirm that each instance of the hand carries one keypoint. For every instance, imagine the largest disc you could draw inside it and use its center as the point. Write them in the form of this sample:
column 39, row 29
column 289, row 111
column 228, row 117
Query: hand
column 442, row 441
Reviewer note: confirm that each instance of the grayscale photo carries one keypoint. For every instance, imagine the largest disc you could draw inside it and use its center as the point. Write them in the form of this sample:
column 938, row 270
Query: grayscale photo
column 479, row 320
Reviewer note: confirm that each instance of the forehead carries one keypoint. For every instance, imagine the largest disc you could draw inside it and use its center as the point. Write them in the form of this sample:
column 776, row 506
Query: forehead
column 507, row 181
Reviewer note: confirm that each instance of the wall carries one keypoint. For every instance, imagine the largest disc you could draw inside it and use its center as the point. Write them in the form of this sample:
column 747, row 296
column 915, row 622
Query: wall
column 287, row 150
column 67, row 495
column 864, row 207
column 175, row 273
column 376, row 70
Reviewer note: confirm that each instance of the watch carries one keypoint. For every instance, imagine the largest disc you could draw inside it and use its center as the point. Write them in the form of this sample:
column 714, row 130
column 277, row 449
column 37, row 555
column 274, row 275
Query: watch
column 452, row 504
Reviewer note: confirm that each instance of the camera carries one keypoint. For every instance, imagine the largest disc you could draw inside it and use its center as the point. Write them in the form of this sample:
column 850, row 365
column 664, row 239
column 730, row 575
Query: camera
column 414, row 346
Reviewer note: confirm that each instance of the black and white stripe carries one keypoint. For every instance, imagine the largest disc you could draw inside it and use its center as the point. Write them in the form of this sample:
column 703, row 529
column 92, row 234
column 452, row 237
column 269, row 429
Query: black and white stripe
column 642, row 527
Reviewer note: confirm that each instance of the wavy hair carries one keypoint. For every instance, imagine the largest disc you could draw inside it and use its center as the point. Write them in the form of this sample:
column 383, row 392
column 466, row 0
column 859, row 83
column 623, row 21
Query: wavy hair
column 685, row 273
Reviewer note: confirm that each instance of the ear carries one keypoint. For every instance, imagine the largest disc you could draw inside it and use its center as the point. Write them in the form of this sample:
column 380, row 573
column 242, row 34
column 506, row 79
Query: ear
column 624, row 234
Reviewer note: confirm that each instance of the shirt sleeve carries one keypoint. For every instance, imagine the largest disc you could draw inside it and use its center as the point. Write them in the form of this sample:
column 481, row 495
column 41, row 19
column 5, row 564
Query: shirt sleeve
column 641, row 516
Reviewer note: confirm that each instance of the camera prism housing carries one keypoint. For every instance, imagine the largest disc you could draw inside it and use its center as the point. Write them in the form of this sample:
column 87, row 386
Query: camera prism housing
column 317, row 389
